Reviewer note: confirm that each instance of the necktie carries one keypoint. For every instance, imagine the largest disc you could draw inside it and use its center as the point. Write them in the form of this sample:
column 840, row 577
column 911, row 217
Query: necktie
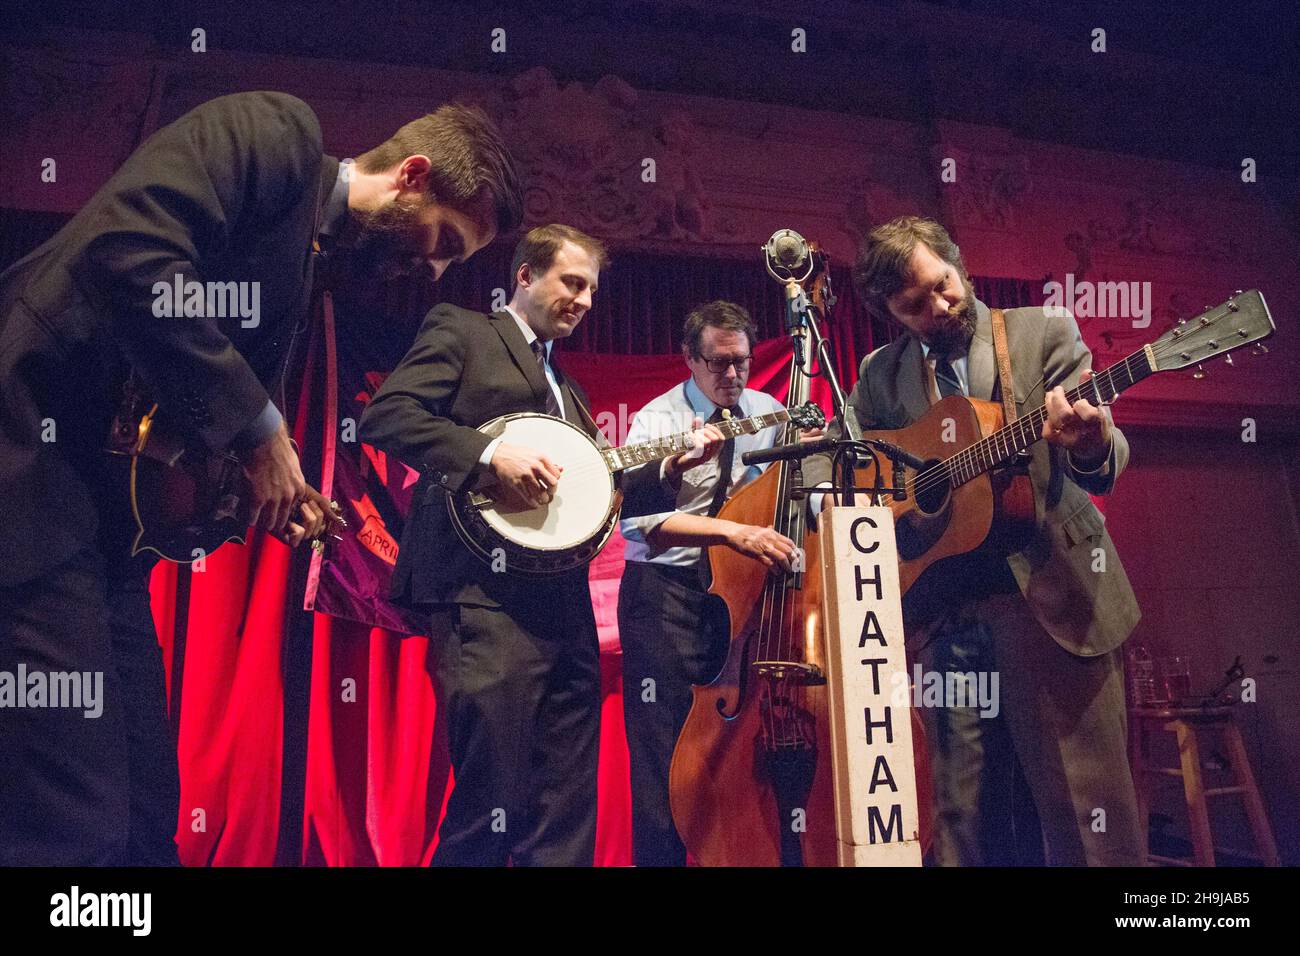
column 946, row 377
column 552, row 404
column 725, row 460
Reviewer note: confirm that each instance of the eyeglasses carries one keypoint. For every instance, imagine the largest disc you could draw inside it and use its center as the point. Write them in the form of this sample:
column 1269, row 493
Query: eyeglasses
column 719, row 366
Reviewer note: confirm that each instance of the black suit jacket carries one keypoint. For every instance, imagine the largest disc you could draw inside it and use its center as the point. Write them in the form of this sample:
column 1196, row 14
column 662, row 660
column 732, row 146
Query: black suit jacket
column 464, row 369
column 228, row 192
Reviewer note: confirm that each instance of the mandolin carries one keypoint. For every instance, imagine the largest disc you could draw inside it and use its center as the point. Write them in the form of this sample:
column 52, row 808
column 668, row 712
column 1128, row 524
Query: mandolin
column 186, row 500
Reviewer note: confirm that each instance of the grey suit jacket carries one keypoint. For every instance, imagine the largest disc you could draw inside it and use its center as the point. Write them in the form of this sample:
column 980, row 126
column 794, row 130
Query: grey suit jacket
column 1088, row 612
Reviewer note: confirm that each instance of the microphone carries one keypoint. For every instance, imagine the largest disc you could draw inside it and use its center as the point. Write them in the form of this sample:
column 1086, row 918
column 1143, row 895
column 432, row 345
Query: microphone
column 787, row 252
column 803, row 449
column 791, row 452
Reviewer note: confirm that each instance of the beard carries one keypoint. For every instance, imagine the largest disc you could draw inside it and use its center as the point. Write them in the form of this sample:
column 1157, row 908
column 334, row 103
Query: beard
column 954, row 333
column 388, row 242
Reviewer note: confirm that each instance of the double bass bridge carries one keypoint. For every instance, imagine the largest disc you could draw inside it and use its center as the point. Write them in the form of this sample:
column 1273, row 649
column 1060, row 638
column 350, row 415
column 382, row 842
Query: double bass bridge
column 798, row 672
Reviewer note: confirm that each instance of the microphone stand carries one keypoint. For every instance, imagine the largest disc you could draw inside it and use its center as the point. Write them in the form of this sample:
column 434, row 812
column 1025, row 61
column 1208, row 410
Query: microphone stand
column 801, row 320
column 852, row 449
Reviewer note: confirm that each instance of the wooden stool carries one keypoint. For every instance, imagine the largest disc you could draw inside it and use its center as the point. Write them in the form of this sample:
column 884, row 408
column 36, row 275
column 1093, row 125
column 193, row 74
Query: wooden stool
column 1187, row 723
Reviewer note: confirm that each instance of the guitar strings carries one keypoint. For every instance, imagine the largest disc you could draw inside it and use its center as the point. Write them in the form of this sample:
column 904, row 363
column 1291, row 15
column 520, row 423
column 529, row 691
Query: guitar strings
column 969, row 459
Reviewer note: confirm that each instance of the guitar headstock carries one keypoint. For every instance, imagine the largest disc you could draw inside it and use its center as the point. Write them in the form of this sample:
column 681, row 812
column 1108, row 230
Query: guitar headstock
column 808, row 415
column 1241, row 320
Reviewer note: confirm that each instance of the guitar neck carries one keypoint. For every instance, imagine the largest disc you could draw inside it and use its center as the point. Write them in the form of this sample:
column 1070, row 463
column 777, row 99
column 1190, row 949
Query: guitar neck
column 656, row 449
column 1010, row 440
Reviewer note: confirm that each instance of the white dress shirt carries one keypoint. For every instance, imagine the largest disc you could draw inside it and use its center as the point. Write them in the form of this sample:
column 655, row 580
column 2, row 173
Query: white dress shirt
column 670, row 413
column 530, row 337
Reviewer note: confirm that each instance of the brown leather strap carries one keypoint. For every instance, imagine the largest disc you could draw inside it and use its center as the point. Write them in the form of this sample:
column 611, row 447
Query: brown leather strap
column 1003, row 356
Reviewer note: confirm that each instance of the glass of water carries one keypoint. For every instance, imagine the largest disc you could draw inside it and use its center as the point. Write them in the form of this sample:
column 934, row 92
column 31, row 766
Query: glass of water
column 1176, row 675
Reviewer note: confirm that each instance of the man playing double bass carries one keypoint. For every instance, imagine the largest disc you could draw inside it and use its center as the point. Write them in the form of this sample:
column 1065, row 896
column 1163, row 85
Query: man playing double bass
column 670, row 629
column 1048, row 619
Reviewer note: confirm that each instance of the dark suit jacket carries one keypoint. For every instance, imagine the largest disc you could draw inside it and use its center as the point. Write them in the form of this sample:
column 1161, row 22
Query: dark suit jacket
column 1087, row 612
column 228, row 192
column 464, row 369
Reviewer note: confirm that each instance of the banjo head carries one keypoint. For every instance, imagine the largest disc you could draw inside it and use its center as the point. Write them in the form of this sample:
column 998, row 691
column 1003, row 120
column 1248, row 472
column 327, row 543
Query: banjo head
column 584, row 497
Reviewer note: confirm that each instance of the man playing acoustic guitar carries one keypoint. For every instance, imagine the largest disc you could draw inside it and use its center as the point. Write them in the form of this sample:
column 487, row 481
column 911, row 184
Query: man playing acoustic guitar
column 1048, row 619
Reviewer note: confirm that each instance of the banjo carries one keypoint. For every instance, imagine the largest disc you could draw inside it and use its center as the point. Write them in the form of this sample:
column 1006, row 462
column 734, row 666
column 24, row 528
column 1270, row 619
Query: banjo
column 570, row 530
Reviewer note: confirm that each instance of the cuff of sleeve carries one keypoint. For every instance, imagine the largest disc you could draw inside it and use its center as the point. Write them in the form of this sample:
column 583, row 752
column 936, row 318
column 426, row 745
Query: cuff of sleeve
column 485, row 459
column 817, row 497
column 1102, row 469
column 261, row 428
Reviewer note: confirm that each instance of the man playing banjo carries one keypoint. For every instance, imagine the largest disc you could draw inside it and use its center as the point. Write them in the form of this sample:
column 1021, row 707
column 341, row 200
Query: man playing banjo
column 519, row 670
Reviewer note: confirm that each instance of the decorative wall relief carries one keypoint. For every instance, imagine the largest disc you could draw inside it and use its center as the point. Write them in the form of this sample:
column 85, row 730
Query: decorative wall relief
column 987, row 193
column 1162, row 227
column 100, row 99
column 584, row 153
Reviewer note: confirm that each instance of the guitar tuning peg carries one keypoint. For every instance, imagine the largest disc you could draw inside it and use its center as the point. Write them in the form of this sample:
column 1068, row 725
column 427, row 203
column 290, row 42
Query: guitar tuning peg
column 1199, row 373
column 1259, row 349
column 1227, row 359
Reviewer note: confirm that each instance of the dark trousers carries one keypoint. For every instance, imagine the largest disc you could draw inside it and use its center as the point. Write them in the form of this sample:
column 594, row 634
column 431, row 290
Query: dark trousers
column 521, row 690
column 79, row 788
column 672, row 637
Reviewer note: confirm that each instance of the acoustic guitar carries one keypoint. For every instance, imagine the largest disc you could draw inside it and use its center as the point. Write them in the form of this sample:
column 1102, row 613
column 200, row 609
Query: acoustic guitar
column 965, row 490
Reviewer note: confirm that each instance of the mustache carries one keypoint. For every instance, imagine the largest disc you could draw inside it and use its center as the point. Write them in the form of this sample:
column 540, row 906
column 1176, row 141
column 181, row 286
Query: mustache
column 957, row 329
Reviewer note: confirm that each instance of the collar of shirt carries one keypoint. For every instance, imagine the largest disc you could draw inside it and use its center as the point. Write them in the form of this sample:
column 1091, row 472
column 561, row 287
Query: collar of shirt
column 334, row 215
column 958, row 363
column 529, row 335
column 703, row 406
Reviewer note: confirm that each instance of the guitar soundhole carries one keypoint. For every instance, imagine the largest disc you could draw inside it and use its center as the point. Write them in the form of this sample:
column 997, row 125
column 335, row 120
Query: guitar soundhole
column 931, row 497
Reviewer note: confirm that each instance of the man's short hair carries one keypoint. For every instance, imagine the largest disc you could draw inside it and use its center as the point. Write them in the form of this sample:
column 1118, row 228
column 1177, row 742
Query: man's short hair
column 468, row 160
column 539, row 246
column 718, row 314
column 883, row 263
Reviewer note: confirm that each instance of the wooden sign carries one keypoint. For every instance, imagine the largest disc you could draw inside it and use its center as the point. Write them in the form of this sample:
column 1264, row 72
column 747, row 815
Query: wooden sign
column 871, row 727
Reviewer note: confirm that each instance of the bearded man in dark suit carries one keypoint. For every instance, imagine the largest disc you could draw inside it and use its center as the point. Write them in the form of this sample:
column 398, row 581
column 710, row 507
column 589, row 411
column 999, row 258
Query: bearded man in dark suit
column 239, row 190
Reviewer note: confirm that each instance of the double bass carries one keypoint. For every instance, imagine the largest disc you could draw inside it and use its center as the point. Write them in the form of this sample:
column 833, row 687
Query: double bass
column 750, row 782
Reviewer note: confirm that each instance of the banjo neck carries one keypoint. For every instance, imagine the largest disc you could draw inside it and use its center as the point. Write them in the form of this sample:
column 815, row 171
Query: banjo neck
column 656, row 449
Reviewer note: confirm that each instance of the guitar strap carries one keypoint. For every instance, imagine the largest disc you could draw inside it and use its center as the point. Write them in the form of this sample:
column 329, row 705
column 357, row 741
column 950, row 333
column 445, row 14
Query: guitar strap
column 1002, row 354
